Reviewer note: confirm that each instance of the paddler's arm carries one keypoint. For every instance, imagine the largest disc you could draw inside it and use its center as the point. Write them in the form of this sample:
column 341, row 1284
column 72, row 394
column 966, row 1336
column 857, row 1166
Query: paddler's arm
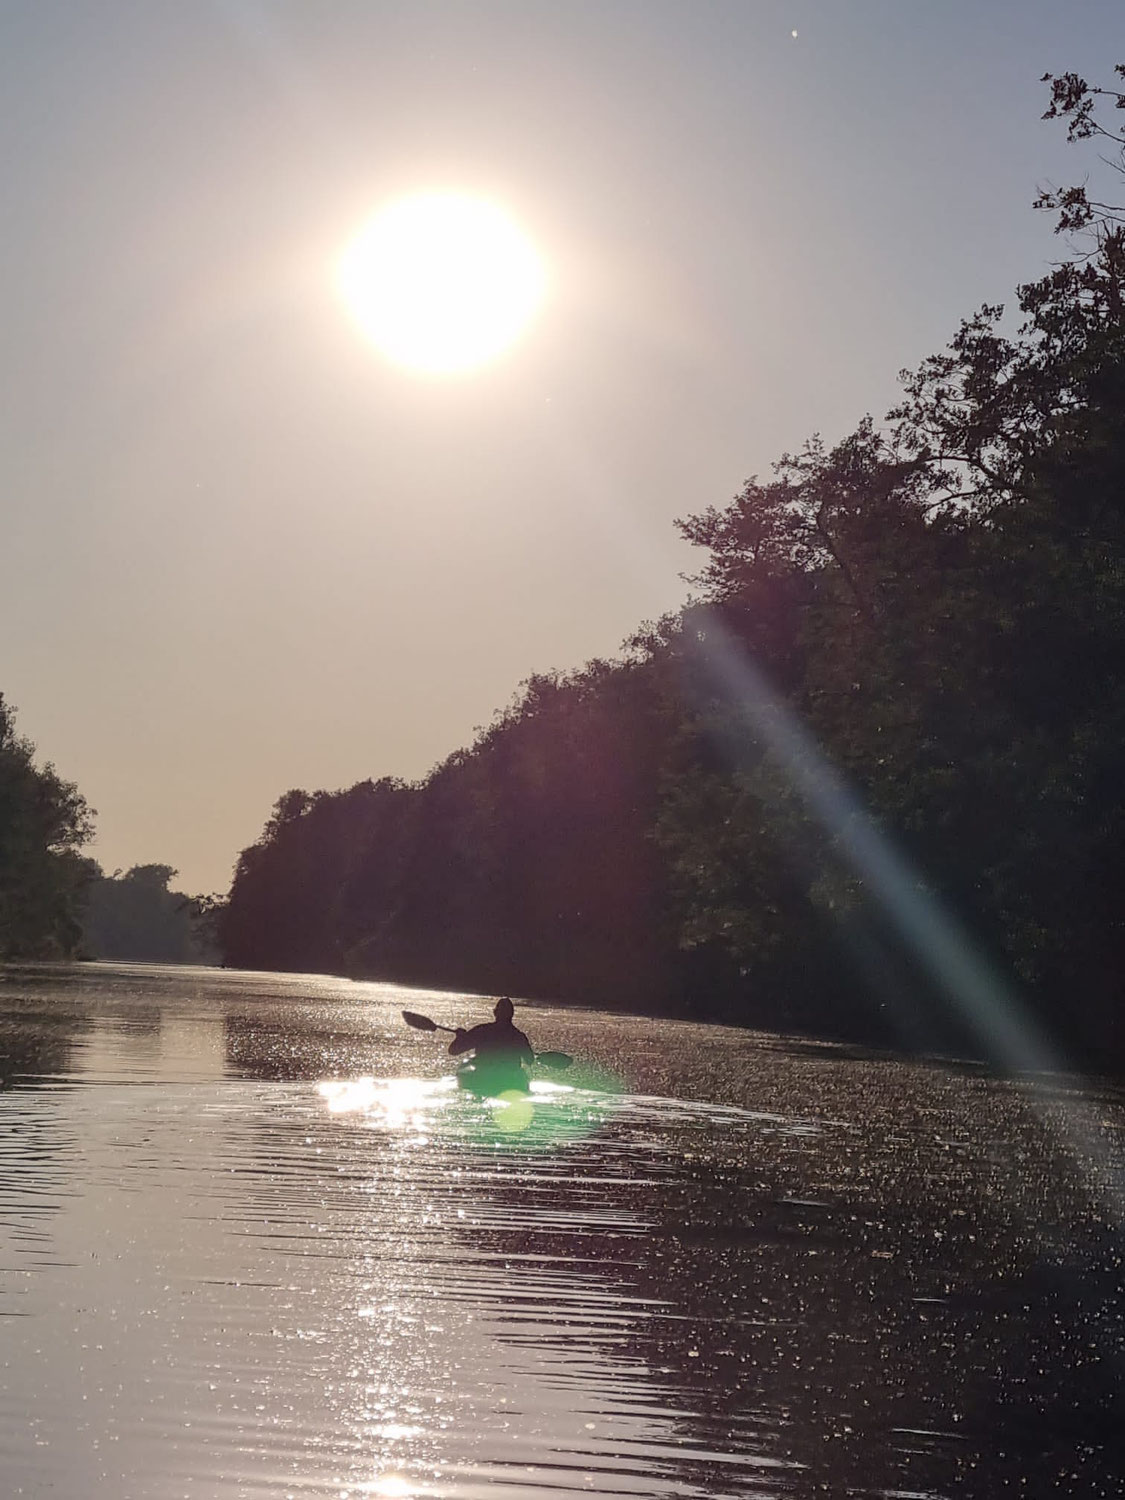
column 467, row 1040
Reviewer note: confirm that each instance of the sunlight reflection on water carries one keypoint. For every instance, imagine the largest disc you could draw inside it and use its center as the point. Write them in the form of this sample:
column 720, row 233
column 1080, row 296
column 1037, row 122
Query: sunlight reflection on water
column 391, row 1486
column 549, row 1115
column 390, row 1103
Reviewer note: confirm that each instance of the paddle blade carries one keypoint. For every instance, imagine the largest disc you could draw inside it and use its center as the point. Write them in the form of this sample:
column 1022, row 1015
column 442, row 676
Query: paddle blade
column 420, row 1023
column 554, row 1059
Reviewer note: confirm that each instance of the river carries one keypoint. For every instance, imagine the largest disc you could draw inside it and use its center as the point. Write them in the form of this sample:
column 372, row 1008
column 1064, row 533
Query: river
column 255, row 1243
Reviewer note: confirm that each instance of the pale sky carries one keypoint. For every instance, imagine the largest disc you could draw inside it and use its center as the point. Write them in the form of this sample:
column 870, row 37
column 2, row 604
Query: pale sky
column 241, row 551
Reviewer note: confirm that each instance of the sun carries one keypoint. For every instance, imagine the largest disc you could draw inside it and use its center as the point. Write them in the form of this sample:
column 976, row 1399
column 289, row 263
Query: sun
column 442, row 282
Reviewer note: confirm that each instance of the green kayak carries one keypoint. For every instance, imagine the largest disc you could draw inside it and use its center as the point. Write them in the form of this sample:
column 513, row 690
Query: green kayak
column 488, row 1080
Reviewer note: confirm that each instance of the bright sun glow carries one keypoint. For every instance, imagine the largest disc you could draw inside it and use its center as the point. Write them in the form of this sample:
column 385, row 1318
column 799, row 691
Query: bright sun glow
column 442, row 282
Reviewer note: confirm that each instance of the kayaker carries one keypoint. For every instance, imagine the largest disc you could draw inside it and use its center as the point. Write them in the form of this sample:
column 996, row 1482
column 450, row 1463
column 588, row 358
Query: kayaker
column 496, row 1043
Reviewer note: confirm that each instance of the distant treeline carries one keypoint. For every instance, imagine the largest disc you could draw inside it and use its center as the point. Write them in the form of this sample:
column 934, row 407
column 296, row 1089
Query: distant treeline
column 135, row 916
column 936, row 604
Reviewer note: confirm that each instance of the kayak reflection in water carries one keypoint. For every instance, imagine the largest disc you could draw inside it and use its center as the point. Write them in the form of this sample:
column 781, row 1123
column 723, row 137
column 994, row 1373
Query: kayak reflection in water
column 500, row 1051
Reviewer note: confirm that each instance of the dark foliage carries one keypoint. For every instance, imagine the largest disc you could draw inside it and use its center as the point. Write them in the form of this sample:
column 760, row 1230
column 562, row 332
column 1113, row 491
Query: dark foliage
column 44, row 821
column 524, row 863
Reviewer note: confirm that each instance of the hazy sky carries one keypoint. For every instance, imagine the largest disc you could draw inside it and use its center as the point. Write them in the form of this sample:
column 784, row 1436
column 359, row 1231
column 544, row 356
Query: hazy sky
column 240, row 552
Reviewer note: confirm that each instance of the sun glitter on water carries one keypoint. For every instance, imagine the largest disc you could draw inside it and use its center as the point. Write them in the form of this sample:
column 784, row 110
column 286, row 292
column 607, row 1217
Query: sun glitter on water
column 552, row 1115
column 442, row 283
column 389, row 1487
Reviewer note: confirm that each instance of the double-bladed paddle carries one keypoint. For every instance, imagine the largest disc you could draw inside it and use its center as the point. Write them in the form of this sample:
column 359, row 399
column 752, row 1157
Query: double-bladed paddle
column 423, row 1023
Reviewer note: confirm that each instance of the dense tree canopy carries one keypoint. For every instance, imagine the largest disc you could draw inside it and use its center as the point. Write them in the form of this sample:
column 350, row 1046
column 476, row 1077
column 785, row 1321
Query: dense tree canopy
column 44, row 821
column 931, row 610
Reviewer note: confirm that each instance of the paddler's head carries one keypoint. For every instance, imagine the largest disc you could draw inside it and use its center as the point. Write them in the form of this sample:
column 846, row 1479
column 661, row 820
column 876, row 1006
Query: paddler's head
column 503, row 1010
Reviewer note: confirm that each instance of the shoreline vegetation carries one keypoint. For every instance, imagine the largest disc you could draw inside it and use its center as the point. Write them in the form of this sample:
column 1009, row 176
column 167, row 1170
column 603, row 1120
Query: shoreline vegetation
column 881, row 745
column 58, row 904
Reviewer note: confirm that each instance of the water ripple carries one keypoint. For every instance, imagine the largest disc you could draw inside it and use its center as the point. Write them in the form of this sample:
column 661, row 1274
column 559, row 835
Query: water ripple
column 219, row 1279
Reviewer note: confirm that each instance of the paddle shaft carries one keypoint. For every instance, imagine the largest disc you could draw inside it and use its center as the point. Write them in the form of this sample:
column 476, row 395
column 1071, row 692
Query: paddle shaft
column 423, row 1023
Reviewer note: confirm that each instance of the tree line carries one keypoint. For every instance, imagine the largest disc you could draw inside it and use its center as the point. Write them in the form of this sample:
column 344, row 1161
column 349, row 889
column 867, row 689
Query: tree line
column 136, row 916
column 44, row 821
column 911, row 641
column 56, row 902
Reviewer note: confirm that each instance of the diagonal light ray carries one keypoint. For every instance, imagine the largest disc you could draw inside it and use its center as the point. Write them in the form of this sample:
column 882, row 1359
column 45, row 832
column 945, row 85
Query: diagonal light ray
column 985, row 999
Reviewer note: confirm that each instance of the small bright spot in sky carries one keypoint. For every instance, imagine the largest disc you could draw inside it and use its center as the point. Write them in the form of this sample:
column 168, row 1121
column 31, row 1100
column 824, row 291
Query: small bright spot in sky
column 442, row 282
column 793, row 34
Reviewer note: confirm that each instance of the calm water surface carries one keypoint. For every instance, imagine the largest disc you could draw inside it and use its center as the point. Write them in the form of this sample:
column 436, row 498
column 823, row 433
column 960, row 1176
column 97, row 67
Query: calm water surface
column 253, row 1243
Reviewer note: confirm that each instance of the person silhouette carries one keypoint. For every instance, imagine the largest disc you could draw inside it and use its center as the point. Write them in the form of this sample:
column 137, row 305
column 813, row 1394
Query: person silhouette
column 500, row 1050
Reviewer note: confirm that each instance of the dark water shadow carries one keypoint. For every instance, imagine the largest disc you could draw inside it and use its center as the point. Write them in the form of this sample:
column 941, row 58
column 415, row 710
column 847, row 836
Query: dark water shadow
column 275, row 1049
column 37, row 1041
